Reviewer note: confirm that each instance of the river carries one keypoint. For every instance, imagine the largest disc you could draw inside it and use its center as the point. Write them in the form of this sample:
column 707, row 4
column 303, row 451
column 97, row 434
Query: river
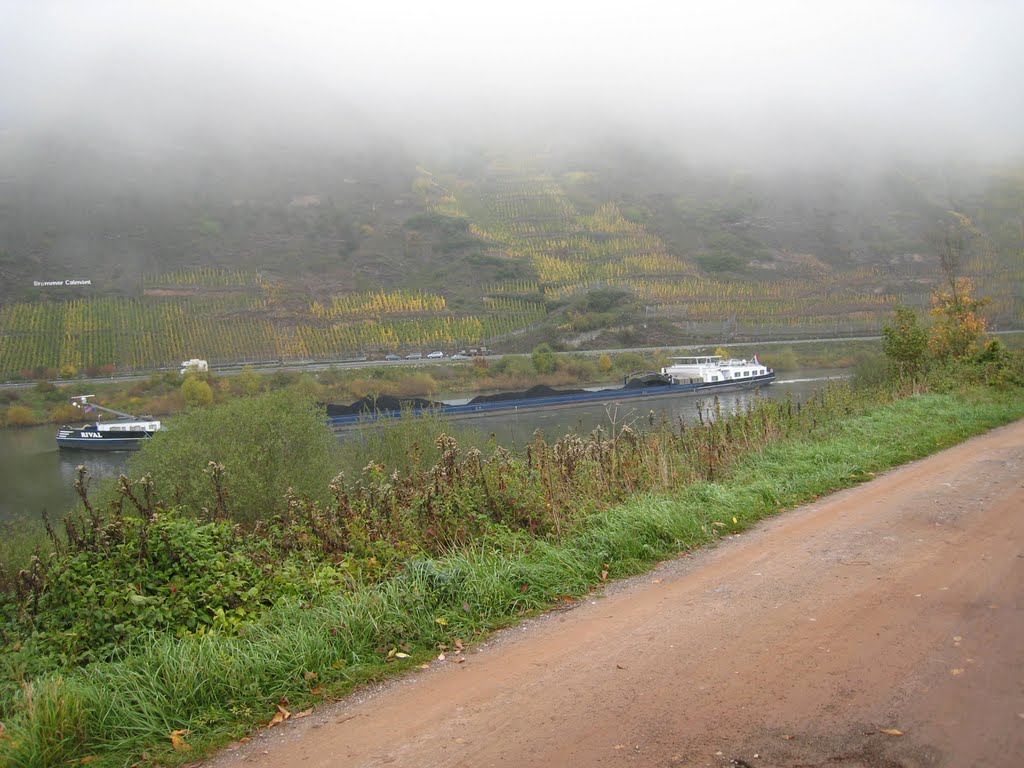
column 35, row 476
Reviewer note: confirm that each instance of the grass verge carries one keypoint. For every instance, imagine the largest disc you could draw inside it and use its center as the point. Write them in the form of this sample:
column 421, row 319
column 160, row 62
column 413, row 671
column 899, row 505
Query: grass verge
column 167, row 700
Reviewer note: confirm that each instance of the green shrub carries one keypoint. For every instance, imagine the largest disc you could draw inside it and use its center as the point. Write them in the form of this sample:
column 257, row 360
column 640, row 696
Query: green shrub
column 544, row 358
column 264, row 445
column 630, row 362
column 19, row 416
column 196, row 392
column 514, row 365
column 136, row 575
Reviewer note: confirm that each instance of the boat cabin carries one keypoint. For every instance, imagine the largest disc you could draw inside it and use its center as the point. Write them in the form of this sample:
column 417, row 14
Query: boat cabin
column 712, row 368
column 127, row 426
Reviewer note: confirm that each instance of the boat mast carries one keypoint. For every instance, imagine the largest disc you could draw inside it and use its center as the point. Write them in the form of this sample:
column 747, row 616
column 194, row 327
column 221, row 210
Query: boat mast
column 82, row 401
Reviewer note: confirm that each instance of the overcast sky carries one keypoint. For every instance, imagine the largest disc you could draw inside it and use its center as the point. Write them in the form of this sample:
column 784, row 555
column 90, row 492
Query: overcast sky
column 719, row 76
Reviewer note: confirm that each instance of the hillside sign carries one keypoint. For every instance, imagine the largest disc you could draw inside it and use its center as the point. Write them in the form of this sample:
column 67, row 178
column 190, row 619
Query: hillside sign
column 58, row 283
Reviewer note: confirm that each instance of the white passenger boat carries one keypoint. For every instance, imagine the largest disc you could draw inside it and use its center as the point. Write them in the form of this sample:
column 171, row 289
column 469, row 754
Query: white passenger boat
column 124, row 433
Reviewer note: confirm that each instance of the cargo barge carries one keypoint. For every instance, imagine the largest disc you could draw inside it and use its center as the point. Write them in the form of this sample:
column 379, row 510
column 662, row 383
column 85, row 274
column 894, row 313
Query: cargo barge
column 686, row 375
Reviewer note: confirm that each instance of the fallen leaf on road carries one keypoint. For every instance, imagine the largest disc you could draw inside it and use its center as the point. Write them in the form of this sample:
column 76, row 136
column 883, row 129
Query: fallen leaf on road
column 282, row 715
column 890, row 731
column 303, row 713
column 956, row 672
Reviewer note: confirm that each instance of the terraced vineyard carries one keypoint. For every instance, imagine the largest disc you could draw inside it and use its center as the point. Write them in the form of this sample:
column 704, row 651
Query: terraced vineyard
column 234, row 317
column 571, row 253
column 532, row 219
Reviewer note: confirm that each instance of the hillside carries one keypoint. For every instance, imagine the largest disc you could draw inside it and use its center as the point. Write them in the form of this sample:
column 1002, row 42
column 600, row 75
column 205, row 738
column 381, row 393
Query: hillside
column 311, row 252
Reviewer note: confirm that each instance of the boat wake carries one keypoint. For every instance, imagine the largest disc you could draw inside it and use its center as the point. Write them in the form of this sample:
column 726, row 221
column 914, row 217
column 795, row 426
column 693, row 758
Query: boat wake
column 814, row 378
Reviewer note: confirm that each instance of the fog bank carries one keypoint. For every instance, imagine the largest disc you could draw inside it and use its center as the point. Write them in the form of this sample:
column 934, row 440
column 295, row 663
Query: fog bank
column 734, row 81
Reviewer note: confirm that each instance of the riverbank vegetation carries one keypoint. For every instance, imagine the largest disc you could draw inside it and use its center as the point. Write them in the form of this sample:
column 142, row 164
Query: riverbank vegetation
column 166, row 393
column 167, row 617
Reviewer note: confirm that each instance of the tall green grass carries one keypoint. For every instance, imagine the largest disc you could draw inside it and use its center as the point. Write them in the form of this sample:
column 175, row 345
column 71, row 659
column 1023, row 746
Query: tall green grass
column 216, row 687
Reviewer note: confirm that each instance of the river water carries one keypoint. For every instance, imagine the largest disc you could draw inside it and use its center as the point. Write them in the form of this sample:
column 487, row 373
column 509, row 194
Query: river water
column 35, row 476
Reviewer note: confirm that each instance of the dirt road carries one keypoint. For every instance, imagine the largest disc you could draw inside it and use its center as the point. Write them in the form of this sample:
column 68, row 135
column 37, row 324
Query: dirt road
column 896, row 606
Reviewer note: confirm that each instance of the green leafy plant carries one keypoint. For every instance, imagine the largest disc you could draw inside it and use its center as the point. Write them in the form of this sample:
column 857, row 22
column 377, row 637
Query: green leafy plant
column 266, row 445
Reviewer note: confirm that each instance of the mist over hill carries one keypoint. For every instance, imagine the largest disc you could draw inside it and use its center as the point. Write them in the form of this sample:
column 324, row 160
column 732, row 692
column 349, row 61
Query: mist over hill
column 492, row 156
column 317, row 216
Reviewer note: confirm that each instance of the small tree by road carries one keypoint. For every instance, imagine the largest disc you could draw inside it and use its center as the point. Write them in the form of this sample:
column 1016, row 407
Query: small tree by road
column 958, row 329
column 905, row 343
column 196, row 392
column 544, row 359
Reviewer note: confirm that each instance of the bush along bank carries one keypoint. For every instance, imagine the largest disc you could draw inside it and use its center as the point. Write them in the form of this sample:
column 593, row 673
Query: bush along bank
column 150, row 636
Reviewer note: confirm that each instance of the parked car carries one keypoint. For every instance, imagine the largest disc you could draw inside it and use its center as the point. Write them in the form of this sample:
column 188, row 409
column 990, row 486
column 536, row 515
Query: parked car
column 461, row 356
column 392, row 357
column 414, row 356
column 435, row 355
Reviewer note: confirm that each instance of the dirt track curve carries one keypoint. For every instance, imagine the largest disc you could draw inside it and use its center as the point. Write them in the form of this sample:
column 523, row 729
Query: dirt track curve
column 895, row 606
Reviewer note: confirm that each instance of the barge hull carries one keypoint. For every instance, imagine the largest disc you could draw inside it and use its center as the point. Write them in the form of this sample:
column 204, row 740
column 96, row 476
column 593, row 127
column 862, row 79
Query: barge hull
column 559, row 401
column 74, row 440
